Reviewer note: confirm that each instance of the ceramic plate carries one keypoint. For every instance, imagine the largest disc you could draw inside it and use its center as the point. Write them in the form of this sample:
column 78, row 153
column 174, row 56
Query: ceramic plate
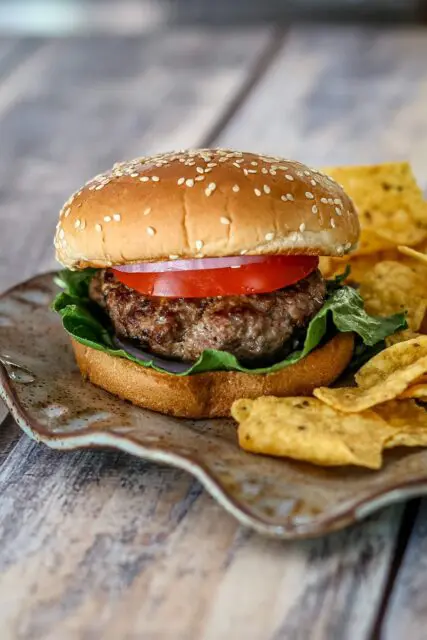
column 43, row 389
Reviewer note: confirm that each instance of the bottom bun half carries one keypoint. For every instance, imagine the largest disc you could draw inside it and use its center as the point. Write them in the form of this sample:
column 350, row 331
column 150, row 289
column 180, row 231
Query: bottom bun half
column 210, row 395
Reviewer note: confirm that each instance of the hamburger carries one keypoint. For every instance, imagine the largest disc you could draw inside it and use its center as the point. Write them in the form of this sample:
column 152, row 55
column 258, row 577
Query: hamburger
column 191, row 280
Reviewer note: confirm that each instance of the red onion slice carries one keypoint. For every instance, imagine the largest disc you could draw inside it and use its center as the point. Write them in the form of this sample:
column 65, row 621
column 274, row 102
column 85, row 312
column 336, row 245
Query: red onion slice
column 197, row 264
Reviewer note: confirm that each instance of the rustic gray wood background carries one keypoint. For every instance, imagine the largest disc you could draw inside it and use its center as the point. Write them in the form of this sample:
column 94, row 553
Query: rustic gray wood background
column 97, row 544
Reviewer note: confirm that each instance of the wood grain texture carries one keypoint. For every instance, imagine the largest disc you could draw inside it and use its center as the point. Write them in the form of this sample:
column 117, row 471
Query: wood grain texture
column 78, row 105
column 341, row 95
column 101, row 545
column 406, row 614
column 96, row 544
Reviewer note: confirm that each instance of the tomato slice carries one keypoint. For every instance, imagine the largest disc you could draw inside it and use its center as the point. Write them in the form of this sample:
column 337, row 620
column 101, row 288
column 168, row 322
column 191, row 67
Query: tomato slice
column 275, row 272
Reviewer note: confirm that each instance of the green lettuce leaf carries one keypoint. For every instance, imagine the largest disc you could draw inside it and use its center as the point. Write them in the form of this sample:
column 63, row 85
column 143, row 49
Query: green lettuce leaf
column 343, row 311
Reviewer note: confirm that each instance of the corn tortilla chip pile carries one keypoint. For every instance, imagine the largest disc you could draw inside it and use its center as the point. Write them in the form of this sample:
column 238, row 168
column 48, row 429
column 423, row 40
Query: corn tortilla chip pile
column 353, row 425
column 312, row 432
column 390, row 263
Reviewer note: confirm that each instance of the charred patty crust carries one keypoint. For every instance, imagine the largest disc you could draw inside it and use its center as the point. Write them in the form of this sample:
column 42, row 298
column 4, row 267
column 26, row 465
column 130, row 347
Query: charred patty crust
column 255, row 328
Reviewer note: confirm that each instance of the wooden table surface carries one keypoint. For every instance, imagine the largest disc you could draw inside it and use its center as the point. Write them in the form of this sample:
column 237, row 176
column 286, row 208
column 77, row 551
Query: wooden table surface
column 100, row 545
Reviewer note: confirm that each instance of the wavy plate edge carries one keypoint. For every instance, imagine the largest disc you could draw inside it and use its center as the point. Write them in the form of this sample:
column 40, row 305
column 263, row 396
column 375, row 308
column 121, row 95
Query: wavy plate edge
column 324, row 524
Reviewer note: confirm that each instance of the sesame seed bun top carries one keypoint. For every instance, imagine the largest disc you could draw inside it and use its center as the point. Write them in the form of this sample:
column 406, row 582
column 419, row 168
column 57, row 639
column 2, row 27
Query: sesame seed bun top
column 204, row 203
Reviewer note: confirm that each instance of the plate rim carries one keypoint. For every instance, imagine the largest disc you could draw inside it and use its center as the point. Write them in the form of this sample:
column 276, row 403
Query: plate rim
column 319, row 525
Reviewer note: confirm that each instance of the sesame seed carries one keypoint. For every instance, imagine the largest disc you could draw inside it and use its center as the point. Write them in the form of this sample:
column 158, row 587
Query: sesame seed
column 224, row 220
column 251, row 171
column 107, row 218
column 82, row 225
column 99, row 186
column 347, row 246
column 272, row 172
column 338, row 201
column 208, row 192
column 264, row 170
column 199, row 178
column 236, row 165
column 257, row 192
column 332, row 223
column 98, row 227
column 302, row 227
column 199, row 244
column 212, row 186
column 324, row 200
column 144, row 179
column 155, row 178
column 338, row 211
column 243, row 251
column 313, row 182
column 147, row 211
column 189, row 182
column 236, row 188
column 67, row 212
column 330, row 201
column 309, row 195
column 180, row 181
column 235, row 266
column 208, row 170
column 173, row 256
column 212, row 164
column 284, row 198
column 254, row 163
column 134, row 175
column 289, row 196
column 61, row 234
column 307, row 173
column 200, row 170
column 288, row 177
column 315, row 209
column 266, row 188
column 151, row 231
column 117, row 217
column 269, row 236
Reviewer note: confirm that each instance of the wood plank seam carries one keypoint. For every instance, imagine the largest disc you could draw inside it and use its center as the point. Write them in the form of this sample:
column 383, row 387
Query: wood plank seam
column 261, row 66
column 407, row 524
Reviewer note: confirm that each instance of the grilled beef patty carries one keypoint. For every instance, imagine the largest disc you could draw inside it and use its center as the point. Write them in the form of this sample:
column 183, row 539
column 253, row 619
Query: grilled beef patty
column 257, row 329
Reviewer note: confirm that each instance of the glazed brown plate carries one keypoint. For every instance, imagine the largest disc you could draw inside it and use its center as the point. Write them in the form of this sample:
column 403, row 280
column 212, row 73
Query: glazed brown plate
column 44, row 391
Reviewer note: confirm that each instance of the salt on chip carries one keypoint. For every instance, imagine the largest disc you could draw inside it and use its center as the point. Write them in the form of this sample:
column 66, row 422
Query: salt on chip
column 389, row 201
column 308, row 430
column 382, row 378
column 393, row 359
column 408, row 422
column 390, row 287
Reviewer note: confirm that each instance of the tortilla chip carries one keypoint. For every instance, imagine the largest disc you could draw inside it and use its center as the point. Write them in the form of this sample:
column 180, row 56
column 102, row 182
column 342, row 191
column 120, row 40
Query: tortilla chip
column 413, row 253
column 326, row 266
column 416, row 391
column 401, row 336
column 408, row 421
column 392, row 360
column 384, row 377
column 306, row 429
column 390, row 204
column 390, row 287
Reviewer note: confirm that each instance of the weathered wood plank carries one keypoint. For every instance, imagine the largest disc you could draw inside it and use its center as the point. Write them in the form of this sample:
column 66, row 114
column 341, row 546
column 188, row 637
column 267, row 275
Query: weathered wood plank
column 110, row 547
column 341, row 95
column 97, row 544
column 81, row 104
column 406, row 614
